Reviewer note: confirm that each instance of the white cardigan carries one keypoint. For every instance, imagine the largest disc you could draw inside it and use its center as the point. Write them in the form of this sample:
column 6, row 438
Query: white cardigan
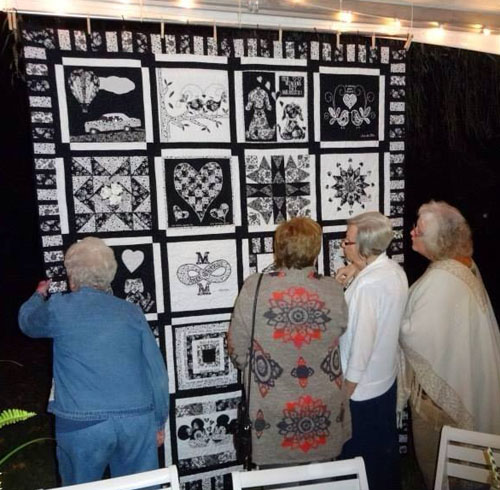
column 376, row 300
column 450, row 338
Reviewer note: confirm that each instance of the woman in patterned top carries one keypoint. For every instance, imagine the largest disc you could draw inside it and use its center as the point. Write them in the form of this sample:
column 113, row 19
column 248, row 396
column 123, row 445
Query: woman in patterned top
column 298, row 403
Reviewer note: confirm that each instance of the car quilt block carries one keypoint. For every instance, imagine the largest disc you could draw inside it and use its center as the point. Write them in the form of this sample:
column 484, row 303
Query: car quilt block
column 184, row 152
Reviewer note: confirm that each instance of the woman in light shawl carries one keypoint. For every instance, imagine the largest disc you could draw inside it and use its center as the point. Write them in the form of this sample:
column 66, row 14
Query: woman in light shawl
column 450, row 363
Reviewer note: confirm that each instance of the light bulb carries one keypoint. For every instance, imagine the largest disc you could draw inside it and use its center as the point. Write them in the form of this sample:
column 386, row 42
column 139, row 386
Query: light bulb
column 346, row 16
column 253, row 6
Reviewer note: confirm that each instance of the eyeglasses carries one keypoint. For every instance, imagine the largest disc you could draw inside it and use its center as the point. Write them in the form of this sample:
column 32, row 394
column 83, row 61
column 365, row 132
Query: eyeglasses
column 416, row 232
column 346, row 243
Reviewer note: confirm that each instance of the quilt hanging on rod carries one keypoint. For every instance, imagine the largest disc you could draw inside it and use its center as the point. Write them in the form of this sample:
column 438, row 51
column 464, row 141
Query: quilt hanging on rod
column 184, row 153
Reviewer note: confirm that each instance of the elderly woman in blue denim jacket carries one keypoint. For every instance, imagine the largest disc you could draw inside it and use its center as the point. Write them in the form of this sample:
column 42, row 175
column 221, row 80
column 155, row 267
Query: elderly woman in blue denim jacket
column 110, row 381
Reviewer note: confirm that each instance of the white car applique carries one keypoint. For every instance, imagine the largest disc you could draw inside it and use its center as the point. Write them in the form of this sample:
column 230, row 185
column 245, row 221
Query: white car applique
column 115, row 121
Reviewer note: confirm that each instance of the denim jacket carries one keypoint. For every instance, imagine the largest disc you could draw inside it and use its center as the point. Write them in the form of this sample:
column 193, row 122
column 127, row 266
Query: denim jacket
column 106, row 360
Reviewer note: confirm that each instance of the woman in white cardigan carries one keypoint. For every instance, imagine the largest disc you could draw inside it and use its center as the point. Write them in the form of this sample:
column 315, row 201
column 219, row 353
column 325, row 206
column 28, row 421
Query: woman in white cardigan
column 450, row 341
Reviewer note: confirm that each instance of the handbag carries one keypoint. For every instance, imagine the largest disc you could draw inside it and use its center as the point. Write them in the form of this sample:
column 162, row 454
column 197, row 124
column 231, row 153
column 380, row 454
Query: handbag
column 243, row 433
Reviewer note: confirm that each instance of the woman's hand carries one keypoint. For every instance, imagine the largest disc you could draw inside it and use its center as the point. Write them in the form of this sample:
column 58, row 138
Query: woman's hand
column 160, row 437
column 43, row 288
column 344, row 275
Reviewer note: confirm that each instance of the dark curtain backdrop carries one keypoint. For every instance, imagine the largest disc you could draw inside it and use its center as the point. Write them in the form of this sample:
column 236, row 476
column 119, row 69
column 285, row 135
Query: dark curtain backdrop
column 453, row 152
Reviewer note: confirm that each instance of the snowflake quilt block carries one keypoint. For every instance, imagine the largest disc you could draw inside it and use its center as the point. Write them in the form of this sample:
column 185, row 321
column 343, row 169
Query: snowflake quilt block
column 349, row 107
column 271, row 106
column 139, row 277
column 203, row 275
column 349, row 184
column 280, row 184
column 111, row 194
column 196, row 192
column 104, row 103
column 193, row 104
column 201, row 356
column 204, row 426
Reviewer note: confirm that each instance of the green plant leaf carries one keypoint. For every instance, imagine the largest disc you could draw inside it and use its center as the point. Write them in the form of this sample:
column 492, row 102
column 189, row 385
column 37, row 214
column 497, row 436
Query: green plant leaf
column 14, row 415
column 22, row 446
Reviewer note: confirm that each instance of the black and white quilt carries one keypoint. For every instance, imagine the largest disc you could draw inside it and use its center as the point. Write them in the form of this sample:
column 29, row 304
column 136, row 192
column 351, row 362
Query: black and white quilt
column 184, row 153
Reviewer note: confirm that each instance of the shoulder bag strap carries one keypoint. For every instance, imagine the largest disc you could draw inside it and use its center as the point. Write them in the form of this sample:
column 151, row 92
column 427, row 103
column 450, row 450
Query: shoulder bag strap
column 251, row 342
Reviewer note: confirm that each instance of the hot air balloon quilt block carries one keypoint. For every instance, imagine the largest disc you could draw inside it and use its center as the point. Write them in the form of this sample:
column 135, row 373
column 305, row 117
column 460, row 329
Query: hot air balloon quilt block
column 350, row 184
column 272, row 106
column 203, row 274
column 111, row 193
column 280, row 184
column 139, row 277
column 104, row 104
column 193, row 103
column 349, row 107
column 198, row 191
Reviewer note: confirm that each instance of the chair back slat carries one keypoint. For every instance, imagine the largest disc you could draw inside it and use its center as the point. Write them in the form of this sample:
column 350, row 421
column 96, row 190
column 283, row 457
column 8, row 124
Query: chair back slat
column 470, row 454
column 461, row 455
column 468, row 472
column 137, row 481
column 354, row 469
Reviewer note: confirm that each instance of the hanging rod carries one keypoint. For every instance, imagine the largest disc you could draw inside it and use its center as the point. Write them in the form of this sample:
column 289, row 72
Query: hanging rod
column 260, row 25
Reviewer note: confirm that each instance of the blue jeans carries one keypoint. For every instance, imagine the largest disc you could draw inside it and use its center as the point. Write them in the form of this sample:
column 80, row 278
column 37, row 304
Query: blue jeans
column 85, row 448
column 375, row 439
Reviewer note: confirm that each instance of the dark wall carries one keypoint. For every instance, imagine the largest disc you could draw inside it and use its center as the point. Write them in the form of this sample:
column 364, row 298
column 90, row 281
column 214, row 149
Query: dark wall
column 453, row 148
column 453, row 138
column 20, row 250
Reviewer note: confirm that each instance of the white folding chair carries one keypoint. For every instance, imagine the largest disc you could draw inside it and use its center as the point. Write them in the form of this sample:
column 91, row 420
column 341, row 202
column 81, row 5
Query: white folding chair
column 132, row 482
column 461, row 455
column 307, row 475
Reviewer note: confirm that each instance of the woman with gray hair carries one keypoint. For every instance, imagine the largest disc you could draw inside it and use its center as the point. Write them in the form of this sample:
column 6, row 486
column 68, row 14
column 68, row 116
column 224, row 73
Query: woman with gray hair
column 450, row 367
column 110, row 383
column 376, row 299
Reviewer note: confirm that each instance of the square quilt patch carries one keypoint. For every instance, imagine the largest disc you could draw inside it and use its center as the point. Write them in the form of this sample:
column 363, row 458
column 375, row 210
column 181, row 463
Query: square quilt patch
column 201, row 353
column 104, row 103
column 280, row 184
column 350, row 106
column 271, row 106
column 349, row 184
column 203, row 274
column 139, row 278
column 198, row 192
column 193, row 105
column 111, row 193
column 203, row 426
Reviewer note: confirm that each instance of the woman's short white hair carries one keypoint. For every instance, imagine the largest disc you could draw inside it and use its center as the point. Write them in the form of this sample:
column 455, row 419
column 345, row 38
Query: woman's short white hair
column 446, row 233
column 90, row 262
column 374, row 233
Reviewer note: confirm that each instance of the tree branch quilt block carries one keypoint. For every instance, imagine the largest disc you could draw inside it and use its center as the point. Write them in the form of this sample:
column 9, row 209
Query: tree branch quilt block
column 193, row 105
